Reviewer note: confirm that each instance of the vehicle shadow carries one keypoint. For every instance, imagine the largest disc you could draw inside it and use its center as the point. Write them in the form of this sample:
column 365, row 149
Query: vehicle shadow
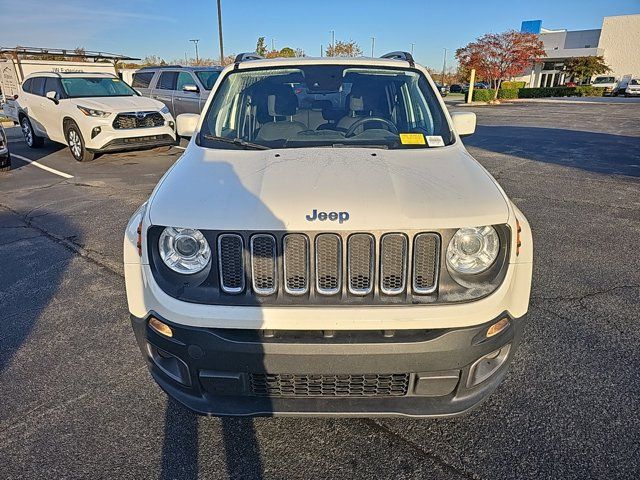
column 31, row 271
column 187, row 436
column 594, row 152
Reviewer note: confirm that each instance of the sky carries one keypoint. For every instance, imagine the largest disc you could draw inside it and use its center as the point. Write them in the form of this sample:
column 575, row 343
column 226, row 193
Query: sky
column 139, row 28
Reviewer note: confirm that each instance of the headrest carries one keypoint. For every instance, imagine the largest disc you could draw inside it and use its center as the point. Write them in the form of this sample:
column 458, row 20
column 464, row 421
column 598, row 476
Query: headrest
column 361, row 99
column 282, row 101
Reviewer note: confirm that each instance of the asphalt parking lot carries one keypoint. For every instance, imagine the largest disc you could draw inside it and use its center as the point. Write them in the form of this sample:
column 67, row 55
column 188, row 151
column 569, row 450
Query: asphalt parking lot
column 77, row 401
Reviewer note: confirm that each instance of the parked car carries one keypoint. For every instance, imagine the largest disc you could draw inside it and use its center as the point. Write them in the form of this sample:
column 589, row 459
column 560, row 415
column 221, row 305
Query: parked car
column 456, row 88
column 368, row 266
column 5, row 156
column 443, row 89
column 628, row 86
column 91, row 113
column 181, row 89
column 609, row 83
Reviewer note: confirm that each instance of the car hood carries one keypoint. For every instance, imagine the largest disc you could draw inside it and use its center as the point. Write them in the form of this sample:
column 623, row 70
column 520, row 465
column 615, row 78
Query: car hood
column 278, row 189
column 120, row 104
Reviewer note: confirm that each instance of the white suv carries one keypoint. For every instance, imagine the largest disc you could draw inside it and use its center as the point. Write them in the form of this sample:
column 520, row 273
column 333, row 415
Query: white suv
column 91, row 113
column 341, row 256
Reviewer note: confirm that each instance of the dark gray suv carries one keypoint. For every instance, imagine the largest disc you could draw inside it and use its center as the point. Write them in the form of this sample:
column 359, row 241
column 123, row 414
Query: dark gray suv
column 182, row 89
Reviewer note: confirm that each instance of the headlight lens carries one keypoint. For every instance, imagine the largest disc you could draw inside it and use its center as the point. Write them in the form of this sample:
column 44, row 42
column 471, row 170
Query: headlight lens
column 92, row 112
column 164, row 110
column 184, row 250
column 473, row 249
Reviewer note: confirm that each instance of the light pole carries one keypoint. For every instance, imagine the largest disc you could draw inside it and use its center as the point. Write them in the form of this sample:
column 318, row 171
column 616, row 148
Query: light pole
column 444, row 65
column 373, row 46
column 333, row 42
column 220, row 33
column 412, row 45
column 195, row 42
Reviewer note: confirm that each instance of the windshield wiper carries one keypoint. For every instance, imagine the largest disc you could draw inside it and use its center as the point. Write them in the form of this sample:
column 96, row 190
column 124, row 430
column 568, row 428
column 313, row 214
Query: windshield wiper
column 236, row 141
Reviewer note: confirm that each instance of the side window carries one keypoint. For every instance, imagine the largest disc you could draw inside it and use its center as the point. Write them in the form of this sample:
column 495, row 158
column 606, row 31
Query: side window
column 185, row 78
column 167, row 81
column 37, row 86
column 54, row 85
column 142, row 79
column 26, row 86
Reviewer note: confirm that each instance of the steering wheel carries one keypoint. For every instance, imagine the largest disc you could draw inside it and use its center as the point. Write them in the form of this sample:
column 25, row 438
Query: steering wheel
column 358, row 123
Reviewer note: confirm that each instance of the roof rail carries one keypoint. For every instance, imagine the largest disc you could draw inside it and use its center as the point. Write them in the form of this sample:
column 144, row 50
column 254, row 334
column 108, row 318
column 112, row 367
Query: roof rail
column 243, row 57
column 57, row 52
column 400, row 56
column 161, row 66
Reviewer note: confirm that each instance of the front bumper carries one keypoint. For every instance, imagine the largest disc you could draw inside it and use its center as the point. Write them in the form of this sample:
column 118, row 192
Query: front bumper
column 109, row 139
column 213, row 371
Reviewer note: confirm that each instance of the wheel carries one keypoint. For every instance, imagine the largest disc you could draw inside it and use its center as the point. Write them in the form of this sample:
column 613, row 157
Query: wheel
column 33, row 141
column 76, row 144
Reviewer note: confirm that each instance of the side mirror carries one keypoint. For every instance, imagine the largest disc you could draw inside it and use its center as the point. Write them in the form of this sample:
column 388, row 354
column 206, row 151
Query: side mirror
column 53, row 96
column 186, row 124
column 464, row 123
column 190, row 88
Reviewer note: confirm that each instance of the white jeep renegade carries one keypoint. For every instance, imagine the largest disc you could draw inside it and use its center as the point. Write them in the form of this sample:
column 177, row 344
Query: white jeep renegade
column 327, row 246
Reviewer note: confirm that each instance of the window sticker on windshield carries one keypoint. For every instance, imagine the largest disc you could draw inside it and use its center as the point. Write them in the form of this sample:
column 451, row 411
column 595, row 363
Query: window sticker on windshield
column 412, row 139
column 435, row 141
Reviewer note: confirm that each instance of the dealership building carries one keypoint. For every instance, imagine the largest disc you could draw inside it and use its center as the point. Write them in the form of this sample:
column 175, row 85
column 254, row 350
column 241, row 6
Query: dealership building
column 618, row 41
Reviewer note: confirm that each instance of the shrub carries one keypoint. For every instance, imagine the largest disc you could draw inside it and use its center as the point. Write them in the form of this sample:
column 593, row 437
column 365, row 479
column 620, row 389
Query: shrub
column 483, row 94
column 583, row 91
column 508, row 93
column 512, row 85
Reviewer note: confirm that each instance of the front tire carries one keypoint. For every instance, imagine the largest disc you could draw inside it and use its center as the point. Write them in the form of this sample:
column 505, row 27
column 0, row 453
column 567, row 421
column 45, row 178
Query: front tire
column 76, row 144
column 30, row 137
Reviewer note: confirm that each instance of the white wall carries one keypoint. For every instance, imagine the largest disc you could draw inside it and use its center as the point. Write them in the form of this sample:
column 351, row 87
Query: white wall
column 620, row 39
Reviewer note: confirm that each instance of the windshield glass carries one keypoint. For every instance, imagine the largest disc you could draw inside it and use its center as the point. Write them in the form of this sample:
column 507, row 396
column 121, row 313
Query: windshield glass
column 208, row 77
column 604, row 80
column 325, row 105
column 78, row 87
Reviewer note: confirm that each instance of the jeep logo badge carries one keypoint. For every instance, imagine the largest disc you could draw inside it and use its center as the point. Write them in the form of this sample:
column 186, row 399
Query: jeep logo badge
column 341, row 217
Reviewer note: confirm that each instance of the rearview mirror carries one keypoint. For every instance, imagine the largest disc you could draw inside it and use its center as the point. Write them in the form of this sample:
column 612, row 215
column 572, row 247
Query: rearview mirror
column 190, row 88
column 464, row 123
column 53, row 96
column 186, row 124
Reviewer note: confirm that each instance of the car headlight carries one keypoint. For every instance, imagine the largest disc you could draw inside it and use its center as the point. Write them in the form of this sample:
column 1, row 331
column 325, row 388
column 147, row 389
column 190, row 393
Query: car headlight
column 473, row 249
column 164, row 110
column 92, row 112
column 184, row 250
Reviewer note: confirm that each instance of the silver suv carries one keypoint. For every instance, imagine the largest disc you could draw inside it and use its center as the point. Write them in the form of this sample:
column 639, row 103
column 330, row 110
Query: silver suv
column 182, row 89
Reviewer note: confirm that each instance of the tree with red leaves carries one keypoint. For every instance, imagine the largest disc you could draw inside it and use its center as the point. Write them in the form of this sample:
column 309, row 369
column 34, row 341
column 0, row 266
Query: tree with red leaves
column 497, row 56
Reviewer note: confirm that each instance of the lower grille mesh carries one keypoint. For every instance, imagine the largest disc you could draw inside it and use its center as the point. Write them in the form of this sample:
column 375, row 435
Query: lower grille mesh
column 318, row 385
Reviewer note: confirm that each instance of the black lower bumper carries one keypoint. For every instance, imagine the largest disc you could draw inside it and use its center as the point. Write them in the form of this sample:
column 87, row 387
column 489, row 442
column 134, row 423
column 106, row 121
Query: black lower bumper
column 239, row 372
column 136, row 143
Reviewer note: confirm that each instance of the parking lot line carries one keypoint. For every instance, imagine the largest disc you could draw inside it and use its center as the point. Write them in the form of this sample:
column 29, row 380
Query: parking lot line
column 43, row 167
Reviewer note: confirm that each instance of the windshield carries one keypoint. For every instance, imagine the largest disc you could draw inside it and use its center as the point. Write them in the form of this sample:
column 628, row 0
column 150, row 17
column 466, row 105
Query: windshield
column 78, row 87
column 604, row 80
column 208, row 77
column 325, row 105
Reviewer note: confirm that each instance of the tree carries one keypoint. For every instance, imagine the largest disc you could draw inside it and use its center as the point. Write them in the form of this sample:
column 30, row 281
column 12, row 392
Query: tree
column 287, row 52
column 153, row 61
column 344, row 49
column 497, row 56
column 583, row 68
column 261, row 48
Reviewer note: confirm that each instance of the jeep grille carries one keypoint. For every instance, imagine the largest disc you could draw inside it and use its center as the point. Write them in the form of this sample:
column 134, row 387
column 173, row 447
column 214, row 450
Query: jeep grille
column 359, row 264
